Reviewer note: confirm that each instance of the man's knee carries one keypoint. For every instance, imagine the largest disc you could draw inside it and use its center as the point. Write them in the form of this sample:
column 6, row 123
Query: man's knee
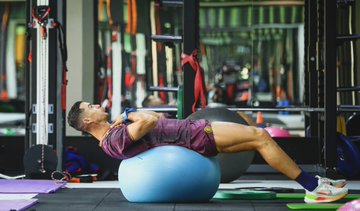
column 263, row 138
column 259, row 132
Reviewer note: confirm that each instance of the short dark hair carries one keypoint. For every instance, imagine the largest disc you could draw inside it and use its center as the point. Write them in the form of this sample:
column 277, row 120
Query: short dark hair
column 74, row 116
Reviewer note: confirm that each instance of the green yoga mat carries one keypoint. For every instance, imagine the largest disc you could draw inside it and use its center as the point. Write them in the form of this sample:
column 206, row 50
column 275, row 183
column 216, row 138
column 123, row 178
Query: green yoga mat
column 244, row 194
column 302, row 195
column 304, row 206
column 272, row 189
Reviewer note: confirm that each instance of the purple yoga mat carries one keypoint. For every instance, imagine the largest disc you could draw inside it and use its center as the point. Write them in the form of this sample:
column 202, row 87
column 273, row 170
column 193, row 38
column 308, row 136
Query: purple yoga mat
column 30, row 186
column 16, row 204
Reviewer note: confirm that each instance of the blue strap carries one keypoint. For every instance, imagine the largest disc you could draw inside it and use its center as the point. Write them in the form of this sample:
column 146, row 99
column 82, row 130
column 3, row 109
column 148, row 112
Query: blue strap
column 126, row 113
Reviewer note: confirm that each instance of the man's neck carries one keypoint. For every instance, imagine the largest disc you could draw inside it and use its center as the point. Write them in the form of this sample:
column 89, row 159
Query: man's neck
column 99, row 131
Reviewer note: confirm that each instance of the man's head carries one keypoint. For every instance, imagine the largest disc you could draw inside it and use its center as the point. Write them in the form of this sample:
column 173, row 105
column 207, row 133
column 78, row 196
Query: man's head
column 83, row 115
column 151, row 100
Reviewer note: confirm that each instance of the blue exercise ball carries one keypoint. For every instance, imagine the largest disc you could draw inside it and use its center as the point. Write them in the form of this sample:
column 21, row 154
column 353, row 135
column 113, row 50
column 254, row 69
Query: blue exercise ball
column 169, row 174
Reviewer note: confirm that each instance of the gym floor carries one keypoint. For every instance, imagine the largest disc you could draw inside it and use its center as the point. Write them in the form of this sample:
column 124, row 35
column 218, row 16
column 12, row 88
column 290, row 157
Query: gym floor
column 105, row 196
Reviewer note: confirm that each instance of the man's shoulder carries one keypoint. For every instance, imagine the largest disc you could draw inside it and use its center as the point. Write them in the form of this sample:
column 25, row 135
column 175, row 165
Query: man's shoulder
column 118, row 128
column 115, row 131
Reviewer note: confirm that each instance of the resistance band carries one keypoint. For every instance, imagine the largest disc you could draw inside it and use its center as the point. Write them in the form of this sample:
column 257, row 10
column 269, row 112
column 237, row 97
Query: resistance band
column 199, row 84
column 131, row 26
column 108, row 11
column 162, row 95
column 4, row 24
column 100, row 10
column 153, row 45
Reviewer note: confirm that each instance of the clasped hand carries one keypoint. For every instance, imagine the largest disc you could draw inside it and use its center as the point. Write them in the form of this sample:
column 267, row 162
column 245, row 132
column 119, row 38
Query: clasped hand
column 118, row 121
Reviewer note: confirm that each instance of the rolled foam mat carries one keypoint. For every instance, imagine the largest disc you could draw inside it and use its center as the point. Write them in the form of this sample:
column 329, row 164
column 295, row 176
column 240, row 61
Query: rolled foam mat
column 30, row 186
column 17, row 204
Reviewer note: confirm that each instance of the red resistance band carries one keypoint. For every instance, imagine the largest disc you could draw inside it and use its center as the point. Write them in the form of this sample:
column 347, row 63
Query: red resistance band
column 162, row 95
column 109, row 80
column 199, row 84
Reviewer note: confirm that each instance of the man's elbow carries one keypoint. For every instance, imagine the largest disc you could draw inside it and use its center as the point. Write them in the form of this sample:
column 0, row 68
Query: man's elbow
column 149, row 122
column 144, row 127
column 153, row 121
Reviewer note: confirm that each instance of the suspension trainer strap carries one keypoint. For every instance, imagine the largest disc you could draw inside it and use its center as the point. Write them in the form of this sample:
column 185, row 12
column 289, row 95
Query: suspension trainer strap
column 199, row 84
column 64, row 57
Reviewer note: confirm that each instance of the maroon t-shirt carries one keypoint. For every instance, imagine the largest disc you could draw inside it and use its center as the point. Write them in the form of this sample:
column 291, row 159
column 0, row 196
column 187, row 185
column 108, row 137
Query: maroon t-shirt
column 193, row 134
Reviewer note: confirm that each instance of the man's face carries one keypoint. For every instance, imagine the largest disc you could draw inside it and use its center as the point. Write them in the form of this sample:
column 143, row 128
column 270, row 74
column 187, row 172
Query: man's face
column 93, row 112
column 154, row 101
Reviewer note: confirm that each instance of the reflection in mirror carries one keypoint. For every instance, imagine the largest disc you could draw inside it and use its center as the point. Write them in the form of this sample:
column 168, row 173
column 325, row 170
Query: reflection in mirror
column 12, row 68
column 254, row 57
column 251, row 53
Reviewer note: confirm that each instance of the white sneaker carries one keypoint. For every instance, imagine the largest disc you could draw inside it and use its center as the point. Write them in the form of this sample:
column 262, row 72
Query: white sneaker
column 325, row 193
column 336, row 183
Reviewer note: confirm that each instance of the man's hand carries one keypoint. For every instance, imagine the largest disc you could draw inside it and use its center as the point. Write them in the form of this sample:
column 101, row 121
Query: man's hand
column 123, row 118
column 119, row 121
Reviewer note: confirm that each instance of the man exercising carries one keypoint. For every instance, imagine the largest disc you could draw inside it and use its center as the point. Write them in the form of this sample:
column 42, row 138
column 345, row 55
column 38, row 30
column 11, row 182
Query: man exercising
column 137, row 131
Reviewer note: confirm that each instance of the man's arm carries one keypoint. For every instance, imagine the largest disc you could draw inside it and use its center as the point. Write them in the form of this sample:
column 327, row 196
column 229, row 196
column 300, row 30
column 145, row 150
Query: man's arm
column 158, row 115
column 120, row 119
column 142, row 123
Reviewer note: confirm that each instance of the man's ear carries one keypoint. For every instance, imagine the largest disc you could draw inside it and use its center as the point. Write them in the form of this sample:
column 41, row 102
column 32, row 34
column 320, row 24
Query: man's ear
column 86, row 120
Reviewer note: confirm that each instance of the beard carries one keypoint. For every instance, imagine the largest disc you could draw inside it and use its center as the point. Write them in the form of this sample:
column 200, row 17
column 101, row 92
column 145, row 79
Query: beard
column 107, row 117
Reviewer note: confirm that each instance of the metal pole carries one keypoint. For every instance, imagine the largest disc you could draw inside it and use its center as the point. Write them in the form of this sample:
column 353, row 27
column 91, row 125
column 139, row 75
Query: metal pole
column 27, row 79
column 330, row 87
column 60, row 113
column 311, row 64
column 190, row 41
column 289, row 109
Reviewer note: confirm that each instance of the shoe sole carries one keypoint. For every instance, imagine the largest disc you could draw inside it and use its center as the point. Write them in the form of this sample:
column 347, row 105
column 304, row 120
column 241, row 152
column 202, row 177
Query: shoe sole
column 323, row 200
column 341, row 185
